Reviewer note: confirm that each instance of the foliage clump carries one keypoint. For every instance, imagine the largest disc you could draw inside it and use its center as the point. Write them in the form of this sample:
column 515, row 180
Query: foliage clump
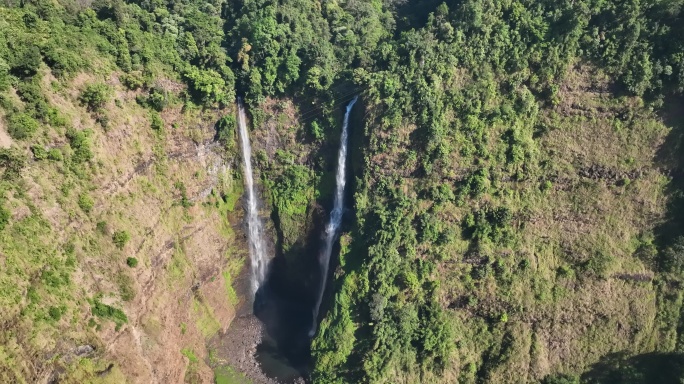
column 105, row 311
column 22, row 126
column 95, row 96
column 121, row 238
column 85, row 202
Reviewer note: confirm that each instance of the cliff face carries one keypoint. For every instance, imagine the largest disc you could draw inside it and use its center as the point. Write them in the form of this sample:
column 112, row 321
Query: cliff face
column 141, row 226
column 515, row 188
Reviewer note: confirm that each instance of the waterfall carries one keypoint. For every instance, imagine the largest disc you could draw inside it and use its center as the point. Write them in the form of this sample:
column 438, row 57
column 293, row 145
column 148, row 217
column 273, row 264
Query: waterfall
column 257, row 247
column 333, row 225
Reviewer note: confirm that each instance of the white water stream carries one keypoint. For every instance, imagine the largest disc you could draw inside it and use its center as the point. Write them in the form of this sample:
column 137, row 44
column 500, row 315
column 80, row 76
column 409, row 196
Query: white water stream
column 333, row 226
column 257, row 246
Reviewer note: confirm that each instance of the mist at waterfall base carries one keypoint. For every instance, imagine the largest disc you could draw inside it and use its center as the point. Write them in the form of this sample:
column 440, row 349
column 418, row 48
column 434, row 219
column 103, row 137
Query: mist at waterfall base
column 289, row 308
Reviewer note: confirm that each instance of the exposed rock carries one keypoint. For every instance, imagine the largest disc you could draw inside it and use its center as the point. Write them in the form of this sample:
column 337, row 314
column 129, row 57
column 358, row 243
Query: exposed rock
column 83, row 350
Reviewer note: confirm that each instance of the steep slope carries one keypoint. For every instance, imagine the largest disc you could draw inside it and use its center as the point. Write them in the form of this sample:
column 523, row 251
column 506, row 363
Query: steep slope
column 515, row 179
column 117, row 251
column 139, row 226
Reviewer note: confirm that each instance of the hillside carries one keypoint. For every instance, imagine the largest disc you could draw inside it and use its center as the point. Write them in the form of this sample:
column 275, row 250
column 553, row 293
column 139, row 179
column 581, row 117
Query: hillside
column 514, row 191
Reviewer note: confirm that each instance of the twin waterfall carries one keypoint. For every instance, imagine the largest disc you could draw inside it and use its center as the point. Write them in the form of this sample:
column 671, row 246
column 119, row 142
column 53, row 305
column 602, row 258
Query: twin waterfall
column 257, row 246
column 331, row 230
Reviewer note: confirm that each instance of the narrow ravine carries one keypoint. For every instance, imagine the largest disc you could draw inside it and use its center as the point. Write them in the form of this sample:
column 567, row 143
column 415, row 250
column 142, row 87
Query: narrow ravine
column 333, row 226
column 257, row 245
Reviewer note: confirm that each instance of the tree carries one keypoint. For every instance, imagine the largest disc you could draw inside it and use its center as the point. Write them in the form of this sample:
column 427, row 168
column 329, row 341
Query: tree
column 120, row 239
column 208, row 86
column 28, row 60
column 95, row 96
column 21, row 126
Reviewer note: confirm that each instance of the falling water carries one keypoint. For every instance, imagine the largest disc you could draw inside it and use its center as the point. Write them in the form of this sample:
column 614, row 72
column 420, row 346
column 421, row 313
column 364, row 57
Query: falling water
column 257, row 247
column 335, row 216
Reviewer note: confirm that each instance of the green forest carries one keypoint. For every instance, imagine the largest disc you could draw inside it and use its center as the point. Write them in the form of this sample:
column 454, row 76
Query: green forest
column 516, row 185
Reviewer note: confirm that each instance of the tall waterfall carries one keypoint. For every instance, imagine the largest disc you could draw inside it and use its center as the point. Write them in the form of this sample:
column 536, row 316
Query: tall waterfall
column 257, row 247
column 331, row 229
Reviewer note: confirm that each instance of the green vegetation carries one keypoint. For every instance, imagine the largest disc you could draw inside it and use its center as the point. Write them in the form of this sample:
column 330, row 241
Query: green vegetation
column 5, row 216
column 105, row 311
column 21, row 126
column 228, row 375
column 86, row 203
column 157, row 124
column 190, row 355
column 132, row 262
column 472, row 214
column 80, row 86
column 225, row 131
column 191, row 373
column 206, row 321
column 121, row 238
column 515, row 176
column 95, row 96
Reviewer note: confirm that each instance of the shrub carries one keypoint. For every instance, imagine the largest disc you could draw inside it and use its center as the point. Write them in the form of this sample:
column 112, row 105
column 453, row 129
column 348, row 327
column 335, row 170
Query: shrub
column 503, row 318
column 55, row 313
column 86, row 203
column 101, row 227
column 21, row 126
column 185, row 201
column 13, row 161
column 207, row 85
column 39, row 152
column 95, row 96
column 31, row 92
column 80, row 144
column 672, row 257
column 55, row 118
column 132, row 81
column 5, row 216
column 27, row 62
column 225, row 129
column 120, row 238
column 157, row 99
column 55, row 154
column 599, row 264
column 62, row 62
column 103, row 120
column 100, row 309
column 157, row 123
column 4, row 75
column 126, row 289
column 316, row 130
column 132, row 262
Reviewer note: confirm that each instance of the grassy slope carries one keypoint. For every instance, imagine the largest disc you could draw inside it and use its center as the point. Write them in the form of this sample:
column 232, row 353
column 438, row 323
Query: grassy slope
column 509, row 214
column 564, row 282
column 58, row 255
column 564, row 308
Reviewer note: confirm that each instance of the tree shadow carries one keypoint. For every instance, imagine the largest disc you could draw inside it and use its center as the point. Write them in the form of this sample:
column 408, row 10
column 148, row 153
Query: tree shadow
column 414, row 14
column 670, row 158
column 662, row 368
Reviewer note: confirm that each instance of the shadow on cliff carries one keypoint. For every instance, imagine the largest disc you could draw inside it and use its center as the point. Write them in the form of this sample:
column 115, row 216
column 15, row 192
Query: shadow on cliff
column 284, row 305
column 662, row 368
column 670, row 158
